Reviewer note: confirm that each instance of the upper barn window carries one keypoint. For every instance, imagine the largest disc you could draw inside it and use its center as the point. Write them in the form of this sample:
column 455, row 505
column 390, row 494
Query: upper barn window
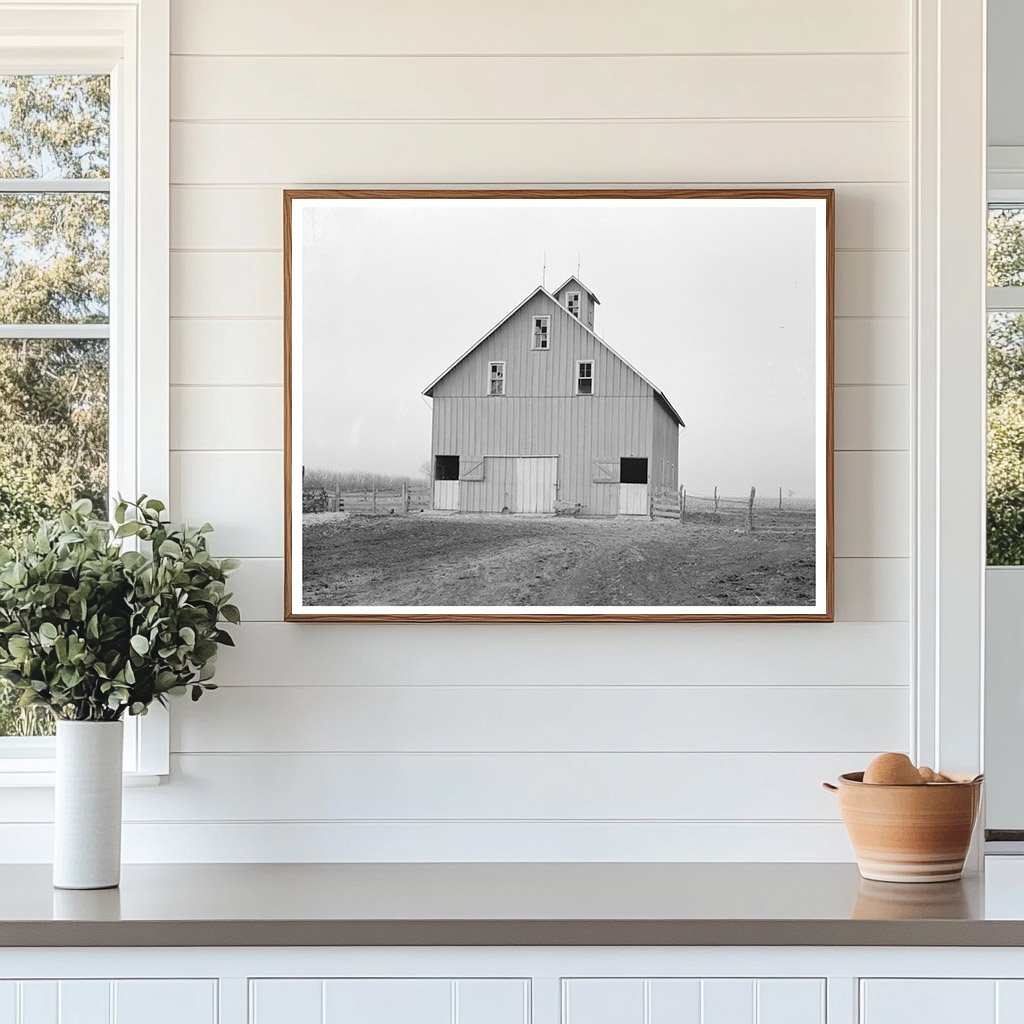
column 585, row 377
column 541, row 325
column 572, row 300
column 496, row 373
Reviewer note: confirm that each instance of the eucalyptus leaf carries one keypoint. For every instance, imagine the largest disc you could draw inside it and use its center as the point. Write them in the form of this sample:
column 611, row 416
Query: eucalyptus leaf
column 92, row 631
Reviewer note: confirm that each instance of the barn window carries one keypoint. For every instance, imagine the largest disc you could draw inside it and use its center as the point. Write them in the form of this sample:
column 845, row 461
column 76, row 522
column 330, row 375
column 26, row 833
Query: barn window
column 496, row 384
column 572, row 300
column 632, row 471
column 585, row 377
column 540, row 331
column 446, row 467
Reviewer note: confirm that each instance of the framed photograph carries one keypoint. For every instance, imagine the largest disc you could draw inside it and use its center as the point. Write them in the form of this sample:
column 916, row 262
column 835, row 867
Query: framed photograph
column 558, row 405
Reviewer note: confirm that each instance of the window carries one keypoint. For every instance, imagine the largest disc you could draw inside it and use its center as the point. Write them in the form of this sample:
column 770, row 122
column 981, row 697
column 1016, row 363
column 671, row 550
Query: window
column 632, row 471
column 83, row 202
column 496, row 379
column 540, row 331
column 1005, row 477
column 446, row 467
column 585, row 377
column 54, row 293
column 572, row 301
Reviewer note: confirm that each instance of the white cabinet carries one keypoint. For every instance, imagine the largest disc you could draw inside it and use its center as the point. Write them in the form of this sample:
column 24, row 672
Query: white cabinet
column 389, row 1001
column 142, row 1001
column 693, row 1001
column 942, row 1001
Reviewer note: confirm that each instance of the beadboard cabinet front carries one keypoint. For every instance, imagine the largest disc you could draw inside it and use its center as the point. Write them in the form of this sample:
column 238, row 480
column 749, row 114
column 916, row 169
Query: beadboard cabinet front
column 104, row 1001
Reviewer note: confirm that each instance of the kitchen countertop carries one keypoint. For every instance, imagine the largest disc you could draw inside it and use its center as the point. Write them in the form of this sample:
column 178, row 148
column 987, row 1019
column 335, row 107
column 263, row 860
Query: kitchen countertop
column 518, row 904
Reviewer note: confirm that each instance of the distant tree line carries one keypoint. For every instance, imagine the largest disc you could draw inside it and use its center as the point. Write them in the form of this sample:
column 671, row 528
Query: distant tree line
column 316, row 478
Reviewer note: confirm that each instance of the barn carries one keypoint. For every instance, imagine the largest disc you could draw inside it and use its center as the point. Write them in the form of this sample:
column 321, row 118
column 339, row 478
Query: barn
column 542, row 412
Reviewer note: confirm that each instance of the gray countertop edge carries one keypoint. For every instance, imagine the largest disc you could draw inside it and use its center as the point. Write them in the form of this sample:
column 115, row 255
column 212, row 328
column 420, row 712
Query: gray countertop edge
column 243, row 933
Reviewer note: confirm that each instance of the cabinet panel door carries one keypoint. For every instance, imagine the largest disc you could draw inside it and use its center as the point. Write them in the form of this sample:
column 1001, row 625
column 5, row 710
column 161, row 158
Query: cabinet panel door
column 101, row 1001
column 286, row 1001
column 388, row 1001
column 930, row 1001
column 791, row 1001
column 491, row 1001
column 603, row 1001
column 165, row 1002
column 84, row 1002
column 8, row 1002
column 693, row 1001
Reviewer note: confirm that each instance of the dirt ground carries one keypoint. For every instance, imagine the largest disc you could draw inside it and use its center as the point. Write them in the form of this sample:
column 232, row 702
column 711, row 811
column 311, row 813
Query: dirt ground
column 466, row 559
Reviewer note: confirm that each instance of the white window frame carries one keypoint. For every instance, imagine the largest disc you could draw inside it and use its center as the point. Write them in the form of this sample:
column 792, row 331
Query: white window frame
column 580, row 363
column 130, row 41
column 546, row 334
column 491, row 379
column 948, row 442
column 578, row 297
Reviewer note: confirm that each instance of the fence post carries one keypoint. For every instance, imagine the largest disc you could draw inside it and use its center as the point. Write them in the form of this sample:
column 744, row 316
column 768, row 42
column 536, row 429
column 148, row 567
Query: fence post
column 374, row 499
column 716, row 500
column 650, row 507
column 682, row 503
column 750, row 510
column 780, row 499
column 337, row 496
column 405, row 498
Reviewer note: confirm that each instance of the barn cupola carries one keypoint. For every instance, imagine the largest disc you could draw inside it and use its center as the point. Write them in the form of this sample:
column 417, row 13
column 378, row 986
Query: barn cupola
column 579, row 300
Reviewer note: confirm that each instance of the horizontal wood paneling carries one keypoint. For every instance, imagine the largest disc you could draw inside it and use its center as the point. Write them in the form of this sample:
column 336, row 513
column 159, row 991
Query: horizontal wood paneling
column 239, row 418
column 872, row 418
column 872, row 283
column 872, row 589
column 872, row 502
column 613, row 151
column 239, row 492
column 255, row 787
column 797, row 654
column 537, row 87
column 739, row 92
column 868, row 216
column 872, row 351
column 463, row 26
column 233, row 284
column 219, row 352
column 552, row 718
column 326, row 841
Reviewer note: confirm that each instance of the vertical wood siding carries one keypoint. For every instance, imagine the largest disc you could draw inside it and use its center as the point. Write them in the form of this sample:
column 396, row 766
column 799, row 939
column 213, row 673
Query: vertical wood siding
column 540, row 413
column 651, row 742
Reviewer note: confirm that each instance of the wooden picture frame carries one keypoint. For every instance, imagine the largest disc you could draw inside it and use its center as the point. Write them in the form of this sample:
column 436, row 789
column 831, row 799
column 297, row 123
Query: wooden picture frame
column 540, row 474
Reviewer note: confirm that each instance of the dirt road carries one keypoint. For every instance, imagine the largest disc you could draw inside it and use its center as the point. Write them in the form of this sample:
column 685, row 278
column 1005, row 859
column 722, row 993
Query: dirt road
column 517, row 561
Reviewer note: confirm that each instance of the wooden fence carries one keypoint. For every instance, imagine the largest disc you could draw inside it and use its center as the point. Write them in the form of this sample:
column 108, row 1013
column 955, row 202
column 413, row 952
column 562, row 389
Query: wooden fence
column 775, row 512
column 373, row 502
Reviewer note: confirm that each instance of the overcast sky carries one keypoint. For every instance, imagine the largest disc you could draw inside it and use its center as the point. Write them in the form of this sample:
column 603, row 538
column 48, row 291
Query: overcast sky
column 714, row 305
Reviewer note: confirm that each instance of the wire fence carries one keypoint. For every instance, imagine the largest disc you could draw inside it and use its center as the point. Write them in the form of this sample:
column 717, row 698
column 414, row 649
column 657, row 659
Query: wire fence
column 772, row 512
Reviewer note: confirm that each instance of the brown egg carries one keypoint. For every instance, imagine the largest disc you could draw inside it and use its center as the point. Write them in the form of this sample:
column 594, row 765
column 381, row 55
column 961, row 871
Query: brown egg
column 892, row 770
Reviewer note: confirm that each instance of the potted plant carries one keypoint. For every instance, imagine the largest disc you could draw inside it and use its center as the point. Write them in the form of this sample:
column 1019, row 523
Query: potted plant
column 93, row 630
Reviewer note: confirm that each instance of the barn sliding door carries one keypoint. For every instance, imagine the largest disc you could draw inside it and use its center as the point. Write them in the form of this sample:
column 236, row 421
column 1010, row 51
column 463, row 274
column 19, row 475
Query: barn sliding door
column 536, row 483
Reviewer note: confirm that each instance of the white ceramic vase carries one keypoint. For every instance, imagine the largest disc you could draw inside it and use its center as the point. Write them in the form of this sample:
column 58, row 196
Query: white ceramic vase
column 87, row 808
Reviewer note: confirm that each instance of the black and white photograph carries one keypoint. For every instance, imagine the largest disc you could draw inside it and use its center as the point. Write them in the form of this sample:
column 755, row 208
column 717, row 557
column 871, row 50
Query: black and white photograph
column 543, row 405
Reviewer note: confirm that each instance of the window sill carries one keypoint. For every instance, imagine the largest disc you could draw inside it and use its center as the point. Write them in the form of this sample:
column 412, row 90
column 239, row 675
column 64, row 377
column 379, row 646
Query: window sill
column 39, row 777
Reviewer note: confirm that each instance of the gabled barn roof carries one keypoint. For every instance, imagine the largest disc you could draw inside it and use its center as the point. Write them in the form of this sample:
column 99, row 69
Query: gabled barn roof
column 569, row 280
column 541, row 290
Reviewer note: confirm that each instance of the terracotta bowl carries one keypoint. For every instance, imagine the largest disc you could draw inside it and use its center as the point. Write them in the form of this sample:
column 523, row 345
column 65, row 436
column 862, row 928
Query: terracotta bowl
column 909, row 833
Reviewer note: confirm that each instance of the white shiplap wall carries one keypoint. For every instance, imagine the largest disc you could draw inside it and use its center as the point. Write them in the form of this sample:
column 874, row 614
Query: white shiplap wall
column 689, row 741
